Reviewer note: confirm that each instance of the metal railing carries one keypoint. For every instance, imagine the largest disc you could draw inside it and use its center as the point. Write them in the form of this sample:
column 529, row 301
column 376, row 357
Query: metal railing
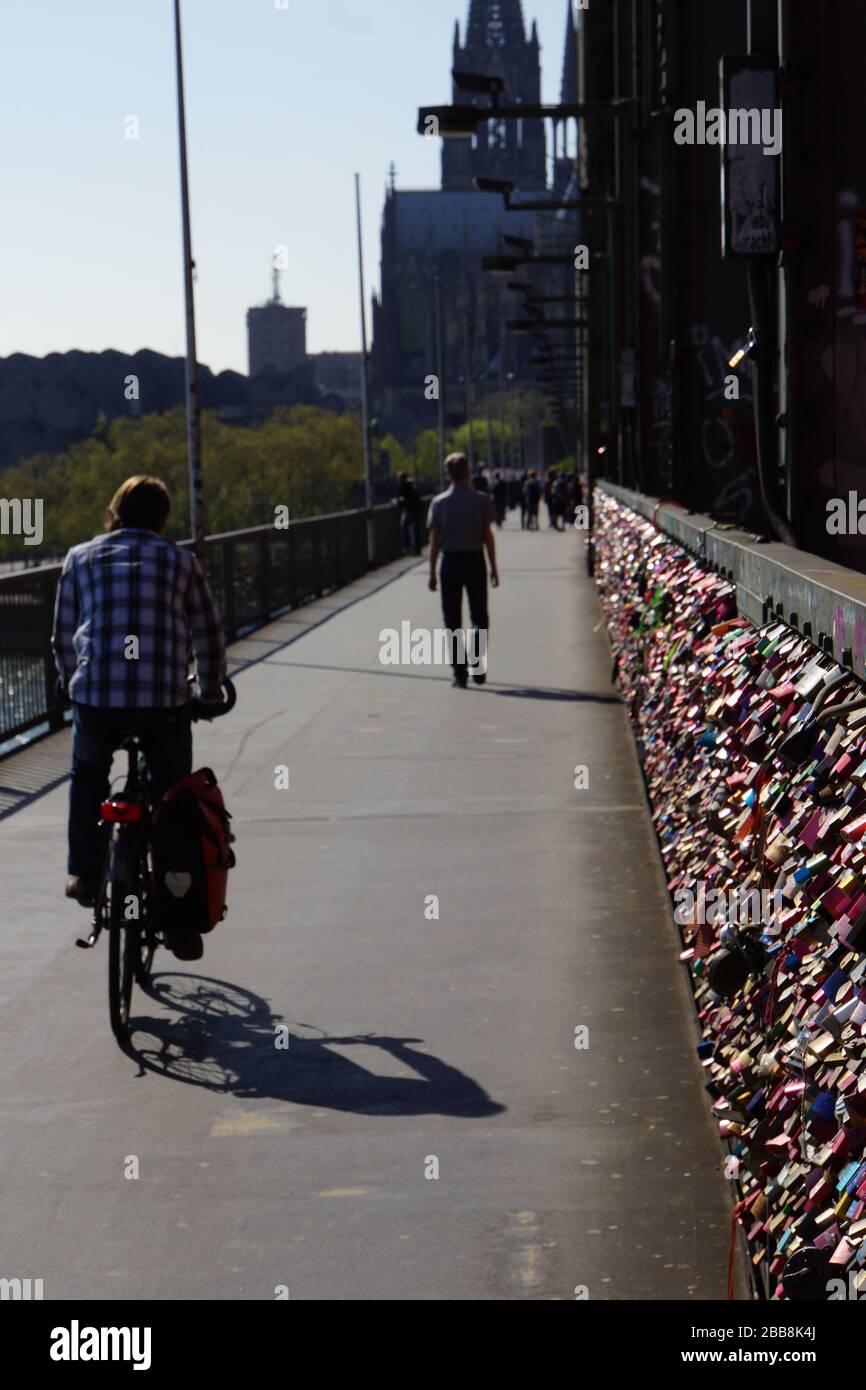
column 254, row 575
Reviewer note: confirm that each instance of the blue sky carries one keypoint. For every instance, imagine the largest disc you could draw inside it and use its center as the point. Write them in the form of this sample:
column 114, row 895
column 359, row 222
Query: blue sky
column 283, row 106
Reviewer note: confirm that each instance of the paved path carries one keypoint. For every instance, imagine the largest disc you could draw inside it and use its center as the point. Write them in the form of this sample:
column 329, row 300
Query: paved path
column 413, row 1041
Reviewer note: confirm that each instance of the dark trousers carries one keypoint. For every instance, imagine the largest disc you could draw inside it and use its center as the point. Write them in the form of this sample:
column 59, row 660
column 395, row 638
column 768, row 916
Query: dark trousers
column 464, row 569
column 96, row 733
column 410, row 528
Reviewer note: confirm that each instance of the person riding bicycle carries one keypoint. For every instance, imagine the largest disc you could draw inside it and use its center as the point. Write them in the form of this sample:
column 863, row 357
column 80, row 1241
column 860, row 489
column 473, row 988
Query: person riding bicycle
column 132, row 610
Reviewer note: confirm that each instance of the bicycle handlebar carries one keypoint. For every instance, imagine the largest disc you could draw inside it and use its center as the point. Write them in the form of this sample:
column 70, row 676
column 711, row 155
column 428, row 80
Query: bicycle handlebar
column 199, row 710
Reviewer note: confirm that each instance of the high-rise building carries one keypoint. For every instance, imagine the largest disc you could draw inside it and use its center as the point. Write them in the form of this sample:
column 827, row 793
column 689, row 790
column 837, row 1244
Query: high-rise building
column 276, row 336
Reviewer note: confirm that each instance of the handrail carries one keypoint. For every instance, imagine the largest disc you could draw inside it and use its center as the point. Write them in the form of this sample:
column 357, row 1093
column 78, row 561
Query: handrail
column 246, row 533
column 255, row 574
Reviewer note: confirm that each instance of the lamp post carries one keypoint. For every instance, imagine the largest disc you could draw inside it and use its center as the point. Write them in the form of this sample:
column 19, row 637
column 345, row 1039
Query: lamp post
column 440, row 376
column 365, row 388
column 470, row 441
column 193, row 403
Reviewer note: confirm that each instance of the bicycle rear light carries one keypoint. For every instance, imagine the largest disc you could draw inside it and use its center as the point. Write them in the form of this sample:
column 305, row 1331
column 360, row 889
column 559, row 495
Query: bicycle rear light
column 121, row 812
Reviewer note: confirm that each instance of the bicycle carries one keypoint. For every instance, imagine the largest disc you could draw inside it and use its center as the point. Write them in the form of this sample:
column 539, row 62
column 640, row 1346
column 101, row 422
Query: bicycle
column 123, row 901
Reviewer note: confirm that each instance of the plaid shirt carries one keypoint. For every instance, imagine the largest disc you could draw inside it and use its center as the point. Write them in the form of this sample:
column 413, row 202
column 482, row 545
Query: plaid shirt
column 133, row 583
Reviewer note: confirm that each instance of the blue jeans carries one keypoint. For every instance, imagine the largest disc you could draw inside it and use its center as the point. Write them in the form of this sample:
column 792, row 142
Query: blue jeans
column 166, row 736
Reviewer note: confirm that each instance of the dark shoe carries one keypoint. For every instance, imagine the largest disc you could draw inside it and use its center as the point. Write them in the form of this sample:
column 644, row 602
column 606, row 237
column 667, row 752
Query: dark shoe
column 479, row 680
column 78, row 891
column 460, row 682
column 185, row 945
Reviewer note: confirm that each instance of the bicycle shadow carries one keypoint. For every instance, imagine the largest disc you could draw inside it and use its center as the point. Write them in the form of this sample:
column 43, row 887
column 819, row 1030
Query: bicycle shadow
column 225, row 1037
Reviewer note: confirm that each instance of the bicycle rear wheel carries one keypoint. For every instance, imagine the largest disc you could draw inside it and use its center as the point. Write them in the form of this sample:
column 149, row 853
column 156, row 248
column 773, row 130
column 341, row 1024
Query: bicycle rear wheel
column 147, row 938
column 146, row 949
column 123, row 948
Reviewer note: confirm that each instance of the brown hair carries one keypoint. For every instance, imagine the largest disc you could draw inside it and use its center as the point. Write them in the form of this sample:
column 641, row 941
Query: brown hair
column 141, row 502
column 457, row 467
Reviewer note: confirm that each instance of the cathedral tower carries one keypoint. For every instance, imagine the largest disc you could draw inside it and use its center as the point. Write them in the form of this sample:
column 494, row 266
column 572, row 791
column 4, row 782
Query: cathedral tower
column 496, row 44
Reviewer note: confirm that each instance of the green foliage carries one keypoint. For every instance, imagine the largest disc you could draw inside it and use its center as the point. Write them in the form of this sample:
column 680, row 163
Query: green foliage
column 303, row 457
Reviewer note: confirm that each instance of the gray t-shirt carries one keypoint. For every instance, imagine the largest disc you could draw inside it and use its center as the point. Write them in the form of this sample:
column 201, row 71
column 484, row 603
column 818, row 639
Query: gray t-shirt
column 461, row 516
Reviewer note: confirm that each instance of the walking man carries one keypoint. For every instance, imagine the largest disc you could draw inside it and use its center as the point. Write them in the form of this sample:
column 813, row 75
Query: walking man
column 461, row 526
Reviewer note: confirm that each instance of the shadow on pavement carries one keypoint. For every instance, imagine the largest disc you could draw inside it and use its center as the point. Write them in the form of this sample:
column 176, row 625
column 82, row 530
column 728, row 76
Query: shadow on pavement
column 442, row 674
column 532, row 692
column 222, row 1037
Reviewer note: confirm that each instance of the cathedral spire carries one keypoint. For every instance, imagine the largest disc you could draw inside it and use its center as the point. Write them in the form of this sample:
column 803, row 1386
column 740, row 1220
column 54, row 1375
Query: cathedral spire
column 495, row 43
column 495, row 24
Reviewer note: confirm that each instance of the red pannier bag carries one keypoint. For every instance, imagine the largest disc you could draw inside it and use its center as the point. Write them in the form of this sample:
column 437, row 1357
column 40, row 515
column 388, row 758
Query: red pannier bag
column 192, row 855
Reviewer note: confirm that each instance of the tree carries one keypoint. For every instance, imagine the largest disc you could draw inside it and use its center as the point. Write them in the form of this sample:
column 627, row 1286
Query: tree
column 302, row 457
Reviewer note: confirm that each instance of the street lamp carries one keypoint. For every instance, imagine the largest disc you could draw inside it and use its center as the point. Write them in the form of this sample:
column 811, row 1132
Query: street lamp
column 193, row 402
column 448, row 122
column 470, row 438
column 365, row 388
column 440, row 372
column 499, row 265
column 553, row 204
column 483, row 83
column 462, row 122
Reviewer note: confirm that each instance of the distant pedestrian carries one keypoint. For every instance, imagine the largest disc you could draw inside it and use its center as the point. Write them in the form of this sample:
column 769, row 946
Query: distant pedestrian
column 411, row 507
column 481, row 482
column 559, row 501
column 500, row 498
column 531, row 500
column 460, row 524
column 549, row 482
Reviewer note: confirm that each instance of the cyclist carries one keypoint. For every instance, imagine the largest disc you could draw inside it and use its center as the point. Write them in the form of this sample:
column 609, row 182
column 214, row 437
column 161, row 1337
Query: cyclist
column 132, row 610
